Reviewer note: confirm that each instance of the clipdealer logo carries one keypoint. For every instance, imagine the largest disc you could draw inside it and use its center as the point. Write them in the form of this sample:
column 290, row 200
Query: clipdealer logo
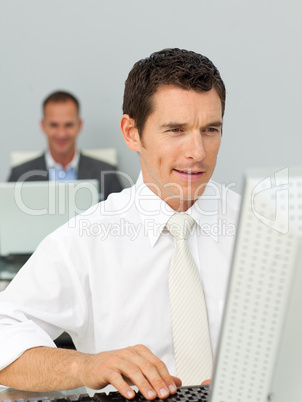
column 270, row 201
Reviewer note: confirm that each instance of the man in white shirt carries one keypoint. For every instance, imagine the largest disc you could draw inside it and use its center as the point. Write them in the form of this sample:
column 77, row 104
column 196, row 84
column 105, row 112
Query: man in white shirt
column 61, row 124
column 103, row 277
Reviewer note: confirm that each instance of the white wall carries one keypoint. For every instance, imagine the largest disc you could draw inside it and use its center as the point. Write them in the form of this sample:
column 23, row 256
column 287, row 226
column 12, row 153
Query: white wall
column 89, row 46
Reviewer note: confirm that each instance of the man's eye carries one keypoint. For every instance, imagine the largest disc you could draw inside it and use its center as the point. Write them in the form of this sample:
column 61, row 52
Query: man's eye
column 212, row 130
column 175, row 130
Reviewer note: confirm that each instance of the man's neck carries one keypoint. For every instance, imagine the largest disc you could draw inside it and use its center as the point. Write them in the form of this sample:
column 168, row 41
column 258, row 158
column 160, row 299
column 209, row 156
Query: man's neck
column 63, row 160
column 180, row 205
column 177, row 203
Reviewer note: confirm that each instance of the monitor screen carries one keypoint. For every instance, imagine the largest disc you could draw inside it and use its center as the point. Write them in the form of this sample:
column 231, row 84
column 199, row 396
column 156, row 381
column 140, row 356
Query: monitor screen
column 29, row 211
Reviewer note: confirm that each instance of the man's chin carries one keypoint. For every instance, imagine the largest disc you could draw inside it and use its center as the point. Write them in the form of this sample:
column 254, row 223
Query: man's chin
column 193, row 195
column 62, row 152
column 180, row 203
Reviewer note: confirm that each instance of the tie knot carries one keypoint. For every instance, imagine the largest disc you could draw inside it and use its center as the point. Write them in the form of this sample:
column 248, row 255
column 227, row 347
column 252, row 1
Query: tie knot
column 179, row 225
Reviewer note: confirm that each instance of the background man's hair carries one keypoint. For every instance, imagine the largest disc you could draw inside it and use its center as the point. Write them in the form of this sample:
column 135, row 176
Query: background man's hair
column 178, row 67
column 59, row 97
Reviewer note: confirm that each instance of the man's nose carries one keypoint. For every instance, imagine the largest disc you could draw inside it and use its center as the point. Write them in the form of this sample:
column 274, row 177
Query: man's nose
column 195, row 147
column 61, row 132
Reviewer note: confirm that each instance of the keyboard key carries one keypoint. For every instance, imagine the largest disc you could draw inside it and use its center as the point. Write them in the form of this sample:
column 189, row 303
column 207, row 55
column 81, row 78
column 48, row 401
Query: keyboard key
column 85, row 398
column 72, row 398
column 59, row 399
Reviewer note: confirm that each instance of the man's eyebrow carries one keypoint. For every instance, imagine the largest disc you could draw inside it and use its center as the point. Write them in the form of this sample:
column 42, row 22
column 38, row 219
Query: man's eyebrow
column 217, row 123
column 173, row 124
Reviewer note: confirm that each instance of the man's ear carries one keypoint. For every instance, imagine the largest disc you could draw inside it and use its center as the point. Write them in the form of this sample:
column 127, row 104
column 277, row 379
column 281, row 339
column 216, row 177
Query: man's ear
column 42, row 125
column 80, row 126
column 130, row 133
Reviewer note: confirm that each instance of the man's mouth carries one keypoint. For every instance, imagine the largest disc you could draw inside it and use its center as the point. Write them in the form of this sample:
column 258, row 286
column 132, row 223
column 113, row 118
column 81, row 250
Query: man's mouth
column 61, row 142
column 192, row 174
column 188, row 171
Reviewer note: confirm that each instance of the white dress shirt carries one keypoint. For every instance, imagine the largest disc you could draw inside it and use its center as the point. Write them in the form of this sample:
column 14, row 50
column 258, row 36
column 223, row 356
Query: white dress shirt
column 103, row 276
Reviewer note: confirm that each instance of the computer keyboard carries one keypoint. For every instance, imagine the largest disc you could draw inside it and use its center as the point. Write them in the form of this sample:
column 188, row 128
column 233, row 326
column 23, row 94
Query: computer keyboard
column 184, row 394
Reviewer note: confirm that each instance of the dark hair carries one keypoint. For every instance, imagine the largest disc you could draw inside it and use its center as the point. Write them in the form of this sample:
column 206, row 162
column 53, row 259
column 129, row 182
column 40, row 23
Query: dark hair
column 182, row 68
column 61, row 96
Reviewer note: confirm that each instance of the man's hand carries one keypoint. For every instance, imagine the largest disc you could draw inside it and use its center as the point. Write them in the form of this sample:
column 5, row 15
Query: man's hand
column 43, row 369
column 135, row 365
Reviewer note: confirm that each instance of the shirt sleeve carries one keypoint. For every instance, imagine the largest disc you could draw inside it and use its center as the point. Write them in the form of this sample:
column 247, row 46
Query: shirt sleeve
column 44, row 299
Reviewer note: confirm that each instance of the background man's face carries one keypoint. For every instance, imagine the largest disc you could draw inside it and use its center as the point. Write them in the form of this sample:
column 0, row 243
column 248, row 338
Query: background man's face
column 180, row 143
column 61, row 124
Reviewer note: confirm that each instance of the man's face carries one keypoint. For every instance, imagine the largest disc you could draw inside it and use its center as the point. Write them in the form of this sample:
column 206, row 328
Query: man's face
column 179, row 144
column 61, row 124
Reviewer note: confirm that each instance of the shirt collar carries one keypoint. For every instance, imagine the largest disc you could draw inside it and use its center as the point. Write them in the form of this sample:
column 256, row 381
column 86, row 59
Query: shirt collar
column 155, row 212
column 51, row 163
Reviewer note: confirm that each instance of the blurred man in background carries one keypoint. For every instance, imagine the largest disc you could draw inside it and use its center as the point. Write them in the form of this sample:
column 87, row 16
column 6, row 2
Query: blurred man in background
column 62, row 161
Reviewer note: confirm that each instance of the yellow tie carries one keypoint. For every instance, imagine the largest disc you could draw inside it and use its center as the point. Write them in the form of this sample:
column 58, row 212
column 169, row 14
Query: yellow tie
column 192, row 345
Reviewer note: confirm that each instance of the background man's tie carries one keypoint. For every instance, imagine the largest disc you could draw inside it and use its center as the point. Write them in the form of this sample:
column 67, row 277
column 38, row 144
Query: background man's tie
column 192, row 345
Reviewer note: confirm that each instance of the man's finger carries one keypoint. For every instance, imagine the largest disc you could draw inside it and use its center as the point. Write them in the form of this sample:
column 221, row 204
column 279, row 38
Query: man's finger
column 177, row 381
column 122, row 385
column 162, row 380
column 145, row 375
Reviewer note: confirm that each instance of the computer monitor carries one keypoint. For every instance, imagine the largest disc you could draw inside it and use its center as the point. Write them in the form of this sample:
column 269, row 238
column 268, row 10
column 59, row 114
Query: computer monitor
column 29, row 211
column 260, row 352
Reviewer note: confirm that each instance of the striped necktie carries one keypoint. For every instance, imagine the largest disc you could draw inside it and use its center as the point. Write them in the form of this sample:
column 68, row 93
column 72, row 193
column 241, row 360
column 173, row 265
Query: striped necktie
column 192, row 345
